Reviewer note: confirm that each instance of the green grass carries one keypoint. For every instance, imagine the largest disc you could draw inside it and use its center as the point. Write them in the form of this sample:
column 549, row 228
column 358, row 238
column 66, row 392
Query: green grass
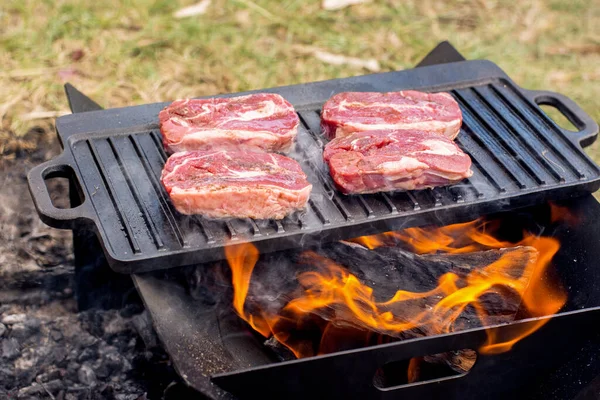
column 135, row 51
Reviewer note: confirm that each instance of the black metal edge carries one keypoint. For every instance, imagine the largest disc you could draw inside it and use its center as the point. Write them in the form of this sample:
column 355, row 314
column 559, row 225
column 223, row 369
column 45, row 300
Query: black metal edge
column 62, row 166
column 443, row 53
column 448, row 215
column 365, row 361
column 79, row 102
column 146, row 116
column 62, row 218
column 200, row 323
column 587, row 127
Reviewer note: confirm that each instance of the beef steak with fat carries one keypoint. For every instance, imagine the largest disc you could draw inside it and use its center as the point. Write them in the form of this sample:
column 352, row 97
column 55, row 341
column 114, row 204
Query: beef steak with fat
column 350, row 112
column 387, row 160
column 256, row 122
column 220, row 184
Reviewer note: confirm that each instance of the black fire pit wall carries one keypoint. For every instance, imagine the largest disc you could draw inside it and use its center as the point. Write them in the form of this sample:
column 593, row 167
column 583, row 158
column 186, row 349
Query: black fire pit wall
column 205, row 356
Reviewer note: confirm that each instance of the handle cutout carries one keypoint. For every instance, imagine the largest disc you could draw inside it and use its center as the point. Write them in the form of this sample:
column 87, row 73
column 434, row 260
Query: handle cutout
column 58, row 188
column 558, row 117
column 60, row 184
column 400, row 373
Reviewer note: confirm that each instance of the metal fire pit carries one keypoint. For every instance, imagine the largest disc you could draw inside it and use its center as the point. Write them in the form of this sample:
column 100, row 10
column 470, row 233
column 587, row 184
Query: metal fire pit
column 224, row 360
column 212, row 355
column 520, row 157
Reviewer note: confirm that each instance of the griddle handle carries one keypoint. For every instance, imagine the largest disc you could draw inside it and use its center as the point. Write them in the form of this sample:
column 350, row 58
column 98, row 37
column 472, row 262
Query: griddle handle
column 587, row 127
column 62, row 218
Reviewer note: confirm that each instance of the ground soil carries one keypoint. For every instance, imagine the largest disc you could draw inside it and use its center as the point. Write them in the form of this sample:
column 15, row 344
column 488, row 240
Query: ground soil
column 48, row 348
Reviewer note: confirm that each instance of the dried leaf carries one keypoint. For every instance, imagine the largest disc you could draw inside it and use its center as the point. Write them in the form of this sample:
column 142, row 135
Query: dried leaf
column 77, row 54
column 339, row 4
column 196, row 9
column 394, row 40
column 243, row 18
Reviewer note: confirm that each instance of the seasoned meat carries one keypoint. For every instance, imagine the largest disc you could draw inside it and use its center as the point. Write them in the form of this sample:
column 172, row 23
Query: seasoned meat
column 387, row 160
column 350, row 112
column 257, row 122
column 221, row 184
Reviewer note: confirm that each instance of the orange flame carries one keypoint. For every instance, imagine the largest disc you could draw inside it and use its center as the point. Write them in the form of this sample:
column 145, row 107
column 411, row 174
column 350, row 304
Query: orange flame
column 332, row 289
column 457, row 238
column 413, row 370
column 242, row 258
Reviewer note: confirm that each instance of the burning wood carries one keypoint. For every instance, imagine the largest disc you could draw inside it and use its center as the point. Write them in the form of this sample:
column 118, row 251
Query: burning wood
column 345, row 295
column 387, row 291
column 417, row 305
column 417, row 273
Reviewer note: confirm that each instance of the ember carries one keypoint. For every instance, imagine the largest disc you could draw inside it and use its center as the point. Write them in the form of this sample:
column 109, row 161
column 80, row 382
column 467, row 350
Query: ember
column 478, row 280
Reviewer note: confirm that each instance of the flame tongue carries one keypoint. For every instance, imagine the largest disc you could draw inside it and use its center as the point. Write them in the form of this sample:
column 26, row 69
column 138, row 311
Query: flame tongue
column 457, row 238
column 242, row 258
column 331, row 300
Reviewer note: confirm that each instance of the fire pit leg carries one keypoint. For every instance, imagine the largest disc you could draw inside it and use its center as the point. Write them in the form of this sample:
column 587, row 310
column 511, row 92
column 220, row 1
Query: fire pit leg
column 79, row 102
column 443, row 53
column 96, row 284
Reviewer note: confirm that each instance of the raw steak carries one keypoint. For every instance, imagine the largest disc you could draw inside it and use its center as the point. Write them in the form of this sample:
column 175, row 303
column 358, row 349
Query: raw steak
column 386, row 160
column 350, row 112
column 257, row 122
column 238, row 184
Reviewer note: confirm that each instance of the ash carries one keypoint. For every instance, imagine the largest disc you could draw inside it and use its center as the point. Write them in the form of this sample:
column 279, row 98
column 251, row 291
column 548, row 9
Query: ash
column 49, row 350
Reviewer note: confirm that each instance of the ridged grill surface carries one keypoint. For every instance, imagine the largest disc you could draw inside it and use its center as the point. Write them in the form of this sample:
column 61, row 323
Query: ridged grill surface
column 516, row 150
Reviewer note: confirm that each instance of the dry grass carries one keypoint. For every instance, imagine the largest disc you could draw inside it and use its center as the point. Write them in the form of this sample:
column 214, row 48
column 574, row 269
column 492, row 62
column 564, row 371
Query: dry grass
column 135, row 51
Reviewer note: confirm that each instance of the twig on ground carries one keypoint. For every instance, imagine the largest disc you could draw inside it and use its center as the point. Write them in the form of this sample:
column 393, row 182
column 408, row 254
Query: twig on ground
column 38, row 380
column 42, row 115
column 265, row 13
column 24, row 73
column 369, row 64
column 6, row 106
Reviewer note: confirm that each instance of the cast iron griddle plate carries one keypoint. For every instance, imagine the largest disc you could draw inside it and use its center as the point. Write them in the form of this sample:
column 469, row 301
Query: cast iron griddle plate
column 520, row 157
